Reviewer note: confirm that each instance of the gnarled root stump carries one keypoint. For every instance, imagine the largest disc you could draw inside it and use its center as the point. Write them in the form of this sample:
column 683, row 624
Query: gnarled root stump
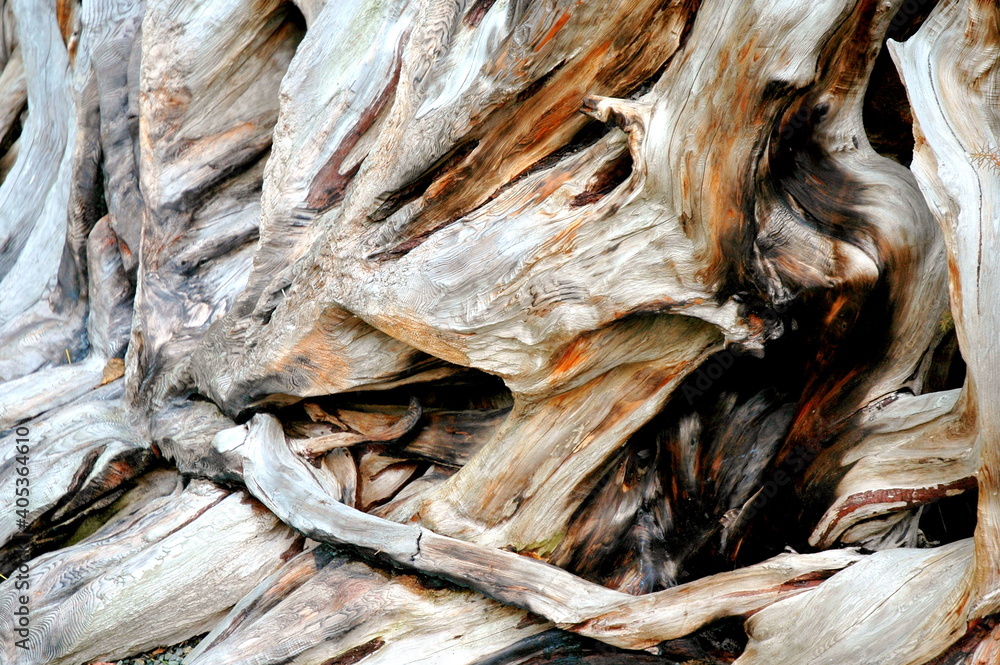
column 483, row 331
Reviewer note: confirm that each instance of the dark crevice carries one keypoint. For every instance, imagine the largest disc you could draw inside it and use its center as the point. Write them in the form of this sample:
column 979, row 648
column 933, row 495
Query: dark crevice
column 466, row 390
column 458, row 414
column 329, row 185
column 295, row 18
column 949, row 519
column 605, row 180
column 477, row 11
column 535, row 86
column 415, row 189
column 588, row 135
column 948, row 369
column 685, row 474
column 888, row 119
column 646, row 85
column 909, row 18
column 13, row 134
column 963, row 650
column 86, row 499
column 717, row 644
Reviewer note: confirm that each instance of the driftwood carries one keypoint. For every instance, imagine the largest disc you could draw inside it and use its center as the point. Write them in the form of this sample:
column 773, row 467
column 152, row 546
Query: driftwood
column 105, row 597
column 546, row 590
column 500, row 331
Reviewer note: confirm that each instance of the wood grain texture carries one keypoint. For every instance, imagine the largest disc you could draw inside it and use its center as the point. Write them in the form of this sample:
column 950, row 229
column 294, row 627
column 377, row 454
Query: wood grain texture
column 952, row 65
column 914, row 450
column 910, row 595
column 140, row 582
column 78, row 454
column 501, row 332
column 574, row 604
column 41, row 313
column 320, row 607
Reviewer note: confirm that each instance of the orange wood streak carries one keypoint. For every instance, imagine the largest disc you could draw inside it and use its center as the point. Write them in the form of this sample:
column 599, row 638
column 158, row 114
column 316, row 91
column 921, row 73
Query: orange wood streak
column 65, row 16
column 563, row 20
column 626, row 45
column 572, row 356
column 549, row 185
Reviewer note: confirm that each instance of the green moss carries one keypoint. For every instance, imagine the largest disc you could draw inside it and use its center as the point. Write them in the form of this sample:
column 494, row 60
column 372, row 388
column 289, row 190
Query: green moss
column 545, row 547
column 947, row 322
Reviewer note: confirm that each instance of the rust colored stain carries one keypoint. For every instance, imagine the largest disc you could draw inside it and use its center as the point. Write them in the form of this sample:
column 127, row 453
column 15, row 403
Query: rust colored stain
column 65, row 14
column 328, row 185
column 909, row 497
column 807, row 580
column 475, row 15
column 120, row 471
column 571, row 357
column 838, row 304
column 529, row 620
column 256, row 506
column 723, row 60
column 357, row 653
column 630, row 43
column 548, row 186
column 294, row 549
column 562, row 20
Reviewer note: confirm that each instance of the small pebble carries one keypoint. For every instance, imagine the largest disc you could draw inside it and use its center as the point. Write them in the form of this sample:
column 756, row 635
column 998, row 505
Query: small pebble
column 172, row 655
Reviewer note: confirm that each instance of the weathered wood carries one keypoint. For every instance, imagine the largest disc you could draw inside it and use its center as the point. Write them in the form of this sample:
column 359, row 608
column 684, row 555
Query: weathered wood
column 951, row 72
column 108, row 324
column 571, row 602
column 354, row 427
column 320, row 607
column 207, row 108
column 77, row 455
column 41, row 313
column 140, row 582
column 913, row 451
column 541, row 225
column 15, row 92
column 911, row 606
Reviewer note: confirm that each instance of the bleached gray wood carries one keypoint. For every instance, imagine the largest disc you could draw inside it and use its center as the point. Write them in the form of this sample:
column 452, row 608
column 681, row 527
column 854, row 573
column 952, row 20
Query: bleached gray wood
column 207, row 105
column 92, row 249
column 281, row 481
column 912, row 604
column 77, row 453
column 913, row 450
column 952, row 73
column 143, row 583
column 319, row 607
column 586, row 200
column 41, row 313
column 108, row 324
column 536, row 327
